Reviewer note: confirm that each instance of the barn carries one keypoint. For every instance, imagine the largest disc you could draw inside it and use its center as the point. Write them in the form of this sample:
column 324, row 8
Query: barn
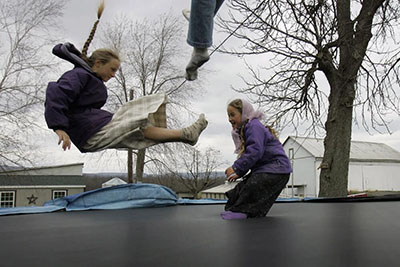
column 372, row 167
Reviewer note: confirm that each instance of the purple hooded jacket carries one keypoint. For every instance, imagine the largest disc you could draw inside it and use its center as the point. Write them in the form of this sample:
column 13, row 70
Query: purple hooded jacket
column 264, row 153
column 74, row 102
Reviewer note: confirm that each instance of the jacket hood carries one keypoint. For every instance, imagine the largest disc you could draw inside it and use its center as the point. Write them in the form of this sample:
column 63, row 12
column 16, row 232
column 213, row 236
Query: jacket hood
column 68, row 52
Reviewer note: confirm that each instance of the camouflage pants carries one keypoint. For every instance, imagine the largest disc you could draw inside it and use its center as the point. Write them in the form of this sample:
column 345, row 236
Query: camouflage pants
column 256, row 194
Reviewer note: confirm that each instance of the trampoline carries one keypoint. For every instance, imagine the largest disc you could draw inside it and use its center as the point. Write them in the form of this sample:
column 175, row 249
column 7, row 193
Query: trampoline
column 357, row 233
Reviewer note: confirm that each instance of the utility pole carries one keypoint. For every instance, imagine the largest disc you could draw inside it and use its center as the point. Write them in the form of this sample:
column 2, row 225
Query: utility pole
column 130, row 152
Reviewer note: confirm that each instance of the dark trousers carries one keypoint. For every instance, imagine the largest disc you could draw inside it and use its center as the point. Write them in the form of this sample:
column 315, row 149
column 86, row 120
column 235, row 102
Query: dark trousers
column 256, row 194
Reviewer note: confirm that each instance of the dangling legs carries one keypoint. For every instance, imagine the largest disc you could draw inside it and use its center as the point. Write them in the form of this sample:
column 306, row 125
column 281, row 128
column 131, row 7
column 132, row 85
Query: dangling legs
column 188, row 135
column 201, row 23
column 199, row 57
column 162, row 134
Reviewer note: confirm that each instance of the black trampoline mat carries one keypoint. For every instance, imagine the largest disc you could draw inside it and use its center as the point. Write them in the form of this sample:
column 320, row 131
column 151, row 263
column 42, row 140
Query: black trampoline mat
column 293, row 234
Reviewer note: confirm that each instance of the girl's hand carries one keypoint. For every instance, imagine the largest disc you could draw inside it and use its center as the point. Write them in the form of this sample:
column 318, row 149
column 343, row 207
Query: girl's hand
column 230, row 174
column 64, row 138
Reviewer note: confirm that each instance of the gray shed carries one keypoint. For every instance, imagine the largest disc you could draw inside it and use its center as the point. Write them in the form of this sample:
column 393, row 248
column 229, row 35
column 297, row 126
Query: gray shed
column 34, row 190
column 35, row 185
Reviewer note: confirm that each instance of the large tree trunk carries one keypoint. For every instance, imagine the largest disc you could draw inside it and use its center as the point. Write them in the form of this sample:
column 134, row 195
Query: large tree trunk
column 335, row 165
column 353, row 39
column 140, row 164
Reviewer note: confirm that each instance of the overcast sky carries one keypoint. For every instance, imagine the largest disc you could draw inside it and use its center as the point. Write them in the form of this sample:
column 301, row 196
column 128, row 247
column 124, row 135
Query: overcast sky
column 221, row 73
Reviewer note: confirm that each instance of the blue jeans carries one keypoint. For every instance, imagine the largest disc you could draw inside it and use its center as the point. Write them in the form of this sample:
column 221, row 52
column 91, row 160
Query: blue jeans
column 201, row 22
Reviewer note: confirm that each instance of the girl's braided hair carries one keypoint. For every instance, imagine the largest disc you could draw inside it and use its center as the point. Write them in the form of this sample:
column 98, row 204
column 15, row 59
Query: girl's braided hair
column 102, row 55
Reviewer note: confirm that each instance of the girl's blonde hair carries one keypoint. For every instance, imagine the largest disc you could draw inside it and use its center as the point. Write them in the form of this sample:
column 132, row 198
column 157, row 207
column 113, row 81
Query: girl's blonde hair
column 103, row 55
column 238, row 104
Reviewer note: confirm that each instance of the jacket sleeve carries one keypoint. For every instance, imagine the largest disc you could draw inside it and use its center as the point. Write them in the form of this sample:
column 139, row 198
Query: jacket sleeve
column 60, row 96
column 254, row 151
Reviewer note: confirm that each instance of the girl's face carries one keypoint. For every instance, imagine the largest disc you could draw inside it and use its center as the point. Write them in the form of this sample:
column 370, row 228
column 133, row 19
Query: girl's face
column 235, row 117
column 106, row 71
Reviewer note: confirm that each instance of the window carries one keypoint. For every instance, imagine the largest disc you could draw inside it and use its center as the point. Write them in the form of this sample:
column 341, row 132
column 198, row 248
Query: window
column 59, row 193
column 291, row 153
column 7, row 199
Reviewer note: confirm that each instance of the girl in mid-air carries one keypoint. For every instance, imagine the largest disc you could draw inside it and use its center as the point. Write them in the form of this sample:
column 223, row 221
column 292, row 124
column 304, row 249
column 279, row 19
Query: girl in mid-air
column 260, row 152
column 73, row 106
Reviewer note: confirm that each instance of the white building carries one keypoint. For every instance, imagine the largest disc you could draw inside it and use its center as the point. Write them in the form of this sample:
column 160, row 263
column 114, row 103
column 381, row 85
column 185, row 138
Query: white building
column 372, row 167
column 113, row 182
column 218, row 192
column 34, row 186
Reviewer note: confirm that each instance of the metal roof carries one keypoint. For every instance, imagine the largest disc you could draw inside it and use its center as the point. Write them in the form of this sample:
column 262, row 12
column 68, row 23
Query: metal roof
column 114, row 181
column 9, row 169
column 221, row 188
column 359, row 150
column 27, row 180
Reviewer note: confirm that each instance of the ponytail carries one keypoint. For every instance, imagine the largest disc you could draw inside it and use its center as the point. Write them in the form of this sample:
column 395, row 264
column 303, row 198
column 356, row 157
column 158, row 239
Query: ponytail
column 92, row 32
column 272, row 131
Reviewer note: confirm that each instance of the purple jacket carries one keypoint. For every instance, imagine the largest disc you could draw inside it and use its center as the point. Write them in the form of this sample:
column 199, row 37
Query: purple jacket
column 73, row 104
column 264, row 153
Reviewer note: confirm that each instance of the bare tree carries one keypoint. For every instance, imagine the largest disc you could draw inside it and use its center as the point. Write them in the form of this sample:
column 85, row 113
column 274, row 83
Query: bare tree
column 196, row 170
column 349, row 44
column 150, row 51
column 24, row 35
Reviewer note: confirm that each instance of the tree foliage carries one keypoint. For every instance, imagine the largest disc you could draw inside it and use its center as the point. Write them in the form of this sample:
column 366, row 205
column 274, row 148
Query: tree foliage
column 325, row 59
column 151, row 54
column 25, row 28
column 196, row 170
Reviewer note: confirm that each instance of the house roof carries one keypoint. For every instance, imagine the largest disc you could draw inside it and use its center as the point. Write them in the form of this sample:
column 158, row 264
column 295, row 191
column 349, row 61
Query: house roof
column 10, row 169
column 37, row 180
column 359, row 150
column 114, row 181
column 221, row 188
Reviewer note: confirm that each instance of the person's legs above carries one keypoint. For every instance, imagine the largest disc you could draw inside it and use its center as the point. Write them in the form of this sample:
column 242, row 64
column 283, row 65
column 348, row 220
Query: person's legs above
column 188, row 135
column 199, row 57
column 201, row 22
column 186, row 12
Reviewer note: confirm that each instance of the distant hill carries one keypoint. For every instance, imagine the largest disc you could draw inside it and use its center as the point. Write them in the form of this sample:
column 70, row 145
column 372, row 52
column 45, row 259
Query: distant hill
column 95, row 180
column 123, row 175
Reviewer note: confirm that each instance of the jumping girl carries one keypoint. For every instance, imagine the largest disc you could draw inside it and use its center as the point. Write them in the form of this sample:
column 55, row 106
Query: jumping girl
column 73, row 106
